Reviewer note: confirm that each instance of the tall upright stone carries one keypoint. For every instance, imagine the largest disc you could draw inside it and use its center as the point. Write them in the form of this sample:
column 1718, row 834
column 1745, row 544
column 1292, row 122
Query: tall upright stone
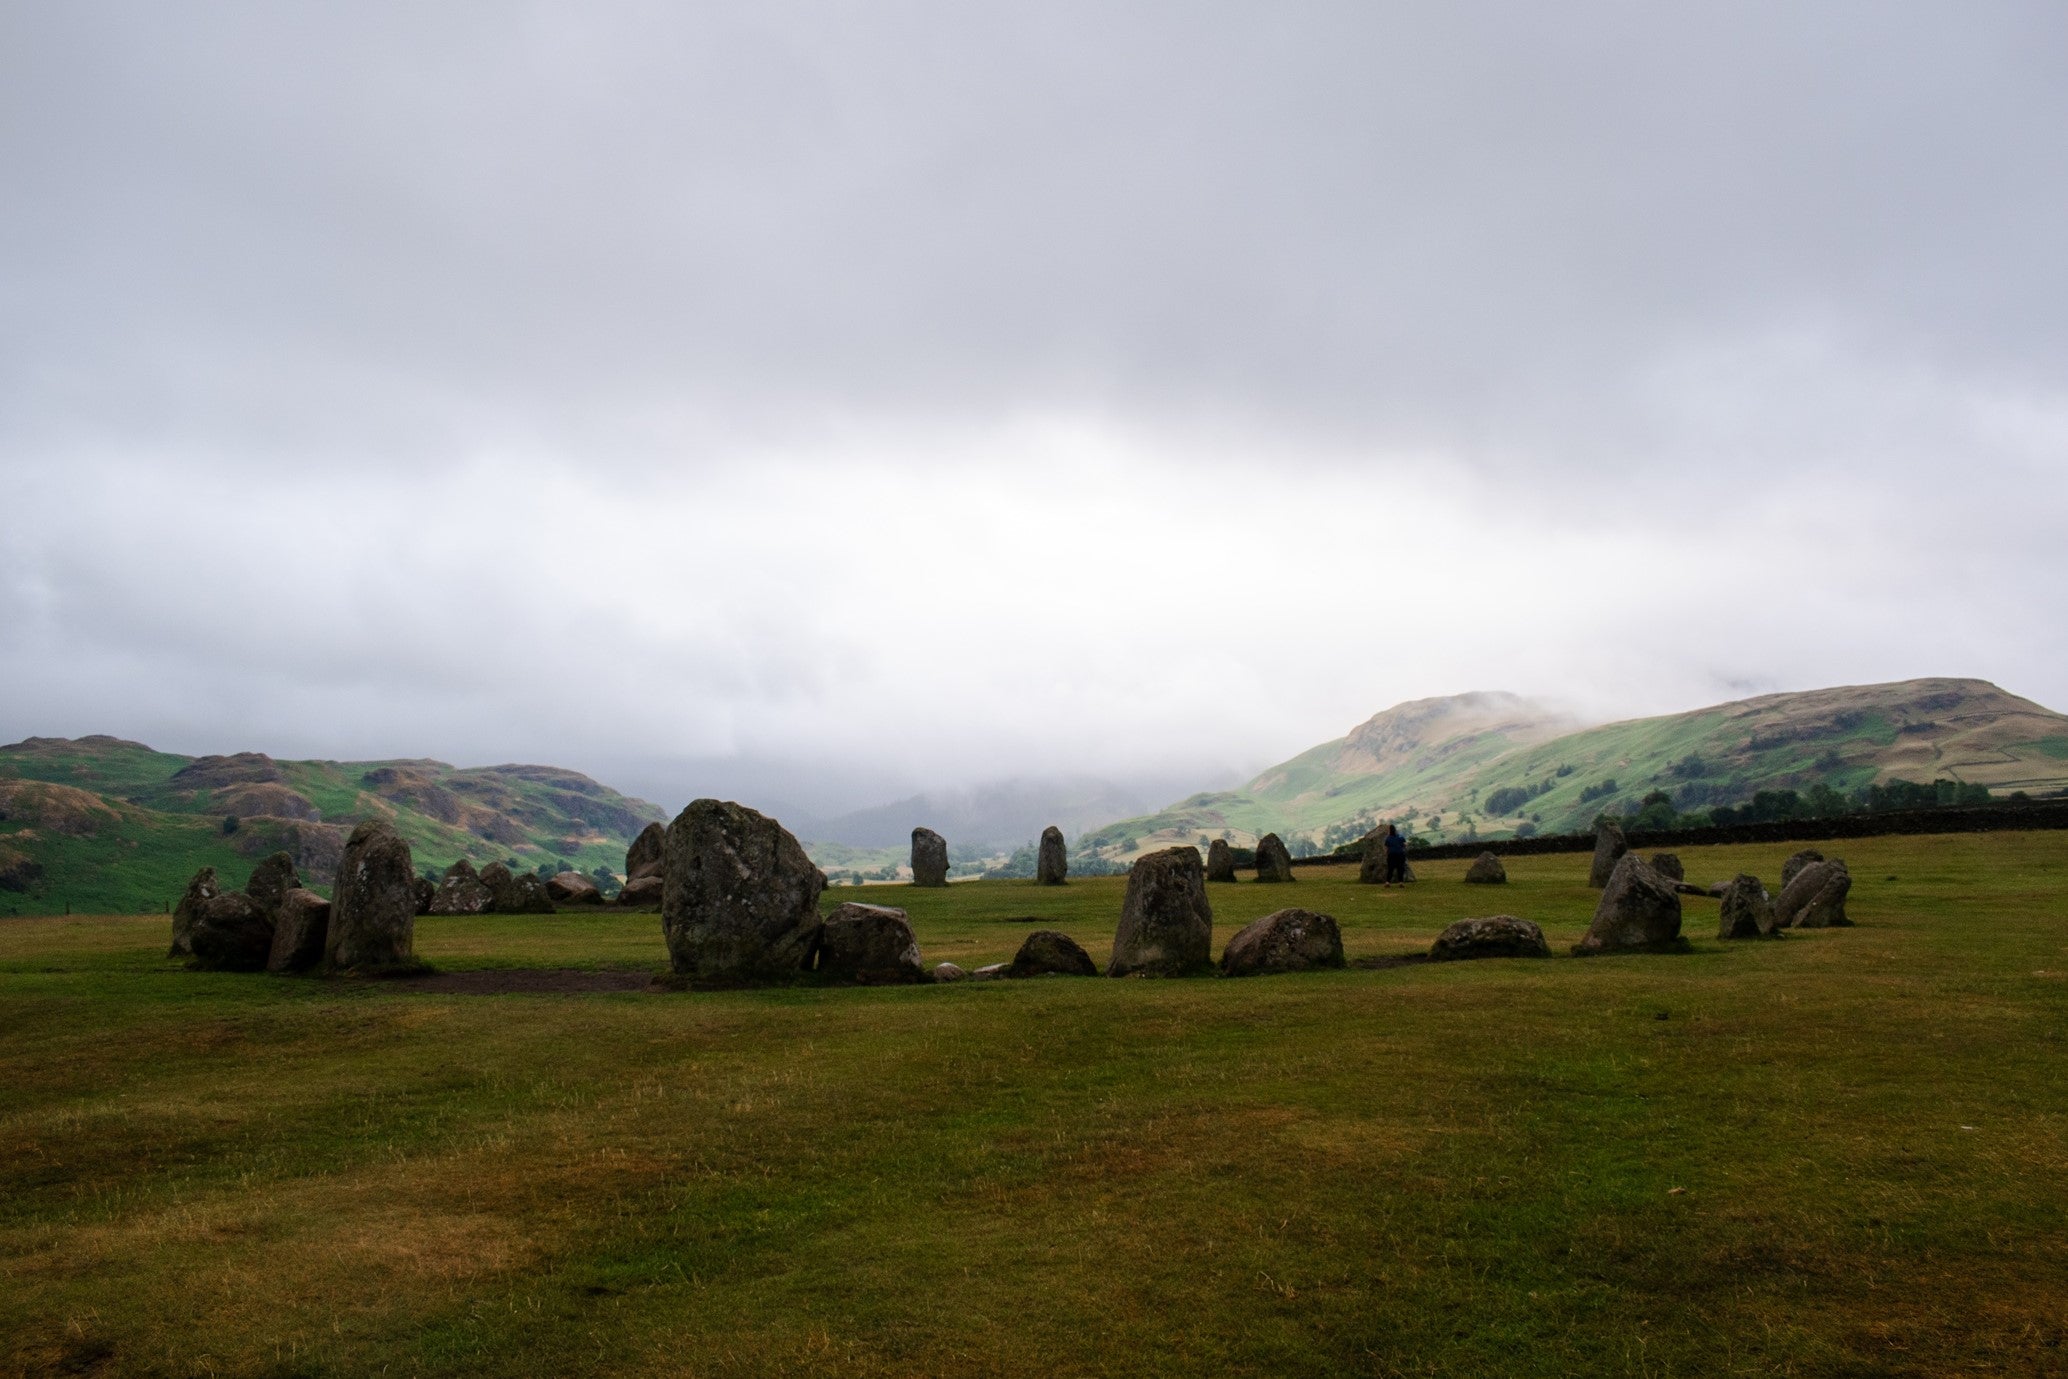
column 202, row 889
column 1639, row 912
column 1052, row 861
column 1371, row 870
column 1166, row 925
column 1274, row 863
column 301, row 931
column 1747, row 910
column 373, row 906
column 1220, row 861
column 271, row 880
column 740, row 900
column 1609, row 847
column 644, row 857
column 929, row 858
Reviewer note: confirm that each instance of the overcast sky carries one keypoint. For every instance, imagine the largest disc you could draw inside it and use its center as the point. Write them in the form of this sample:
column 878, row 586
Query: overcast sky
column 811, row 402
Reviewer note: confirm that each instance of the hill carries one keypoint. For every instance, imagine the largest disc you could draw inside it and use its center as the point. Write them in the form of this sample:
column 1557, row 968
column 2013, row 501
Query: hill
column 103, row 823
column 1490, row 764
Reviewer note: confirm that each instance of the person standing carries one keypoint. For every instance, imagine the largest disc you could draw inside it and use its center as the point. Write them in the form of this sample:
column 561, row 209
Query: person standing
column 1396, row 856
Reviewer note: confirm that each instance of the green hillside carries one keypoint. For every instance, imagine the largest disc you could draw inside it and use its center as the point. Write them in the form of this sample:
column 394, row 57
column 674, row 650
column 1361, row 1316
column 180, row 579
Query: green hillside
column 1489, row 765
column 102, row 824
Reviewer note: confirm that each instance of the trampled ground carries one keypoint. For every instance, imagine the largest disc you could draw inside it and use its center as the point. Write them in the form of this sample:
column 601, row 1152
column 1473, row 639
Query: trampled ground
column 1842, row 1153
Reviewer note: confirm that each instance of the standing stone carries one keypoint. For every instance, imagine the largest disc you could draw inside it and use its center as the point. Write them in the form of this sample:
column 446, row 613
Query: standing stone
column 271, row 880
column 645, row 890
column 1487, row 871
column 1747, row 911
column 1274, row 863
column 1220, row 861
column 869, row 944
column 519, row 894
column 1495, row 936
column 202, row 889
column 426, row 891
column 231, row 933
column 1791, row 868
column 1285, row 941
column 1667, row 864
column 462, row 892
column 1639, row 912
column 1047, row 953
column 644, row 857
column 1609, row 847
column 1372, row 871
column 741, row 899
column 373, row 914
column 1815, row 899
column 929, row 858
column 571, row 887
column 1166, row 926
column 1052, row 862
column 300, row 932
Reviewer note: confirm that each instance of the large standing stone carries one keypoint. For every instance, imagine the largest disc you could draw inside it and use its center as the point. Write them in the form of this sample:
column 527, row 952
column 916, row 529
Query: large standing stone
column 301, row 930
column 1609, row 847
column 373, row 912
column 929, row 858
column 1220, row 861
column 202, row 889
column 1274, row 863
column 232, row 933
column 644, row 857
column 1494, row 936
column 571, row 887
column 1283, row 941
column 1052, row 861
column 1792, row 868
column 1747, row 910
column 1815, row 899
column 1639, row 912
column 1668, row 865
column 741, row 900
column 1487, row 871
column 272, row 879
column 1372, row 870
column 462, row 891
column 1047, row 953
column 870, row 944
column 1166, row 926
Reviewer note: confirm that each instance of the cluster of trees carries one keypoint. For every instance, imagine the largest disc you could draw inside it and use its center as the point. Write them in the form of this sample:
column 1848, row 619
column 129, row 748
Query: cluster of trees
column 1820, row 801
column 1510, row 799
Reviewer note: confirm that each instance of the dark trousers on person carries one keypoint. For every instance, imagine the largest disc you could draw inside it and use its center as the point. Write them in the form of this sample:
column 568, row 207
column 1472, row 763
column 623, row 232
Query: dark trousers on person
column 1396, row 868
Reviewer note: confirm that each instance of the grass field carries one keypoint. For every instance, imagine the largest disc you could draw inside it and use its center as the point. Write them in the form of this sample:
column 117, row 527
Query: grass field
column 1843, row 1153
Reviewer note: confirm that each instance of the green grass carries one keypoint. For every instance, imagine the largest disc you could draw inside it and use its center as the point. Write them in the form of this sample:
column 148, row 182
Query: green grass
column 1459, row 1169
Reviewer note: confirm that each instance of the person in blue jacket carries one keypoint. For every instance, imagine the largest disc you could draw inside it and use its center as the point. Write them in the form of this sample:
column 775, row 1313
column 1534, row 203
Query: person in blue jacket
column 1396, row 856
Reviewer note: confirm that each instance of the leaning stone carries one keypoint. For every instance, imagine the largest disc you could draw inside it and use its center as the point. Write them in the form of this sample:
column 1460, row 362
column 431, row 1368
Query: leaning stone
column 1668, row 865
column 300, row 931
column 571, row 887
column 1047, row 953
column 869, row 944
column 1609, row 847
column 643, row 890
column 741, row 901
column 949, row 972
column 1274, row 863
column 1166, row 925
column 462, row 891
column 1639, row 912
column 1815, row 899
column 643, row 858
column 1220, row 861
column 202, row 889
column 232, row 933
column 1052, row 860
column 1791, row 868
column 272, row 879
column 1290, row 940
column 1747, row 911
column 929, row 858
column 373, row 910
column 1495, row 936
column 1487, row 871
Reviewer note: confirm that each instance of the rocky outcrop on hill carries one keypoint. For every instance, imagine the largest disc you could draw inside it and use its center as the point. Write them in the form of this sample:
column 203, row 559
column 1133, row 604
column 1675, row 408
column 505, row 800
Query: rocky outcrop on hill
column 1291, row 940
column 1639, row 912
column 1494, row 936
column 1274, row 863
column 1052, row 859
column 741, row 900
column 869, row 944
column 373, row 914
column 1166, row 925
column 929, row 858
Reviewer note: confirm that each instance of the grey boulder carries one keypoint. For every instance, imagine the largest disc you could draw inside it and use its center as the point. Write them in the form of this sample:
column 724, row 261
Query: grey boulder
column 929, row 858
column 202, row 889
column 374, row 903
column 741, row 900
column 1047, row 953
column 1747, row 910
column 1494, row 936
column 869, row 944
column 1052, row 859
column 1220, row 861
column 644, row 857
column 1667, row 864
column 1166, row 925
column 1487, row 870
column 461, row 891
column 1815, row 899
column 1609, row 847
column 1792, row 868
column 272, row 879
column 571, row 887
column 232, row 933
column 301, row 930
column 1639, row 912
column 1274, row 863
column 1290, row 940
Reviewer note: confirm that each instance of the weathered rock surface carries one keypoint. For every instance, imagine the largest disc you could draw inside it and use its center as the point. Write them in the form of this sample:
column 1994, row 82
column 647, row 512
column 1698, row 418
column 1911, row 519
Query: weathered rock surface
column 1372, row 870
column 644, row 858
column 1220, row 861
column 1052, row 859
column 1487, row 871
column 519, row 894
column 1815, row 899
column 949, row 972
column 301, row 930
column 1791, row 868
column 232, row 933
column 425, row 890
column 270, row 880
column 462, row 892
column 1166, row 925
column 929, row 858
column 741, row 900
column 1609, row 847
column 1639, row 912
column 373, row 907
column 571, row 887
column 1494, row 936
column 991, row 972
column 1047, row 953
column 1274, row 863
column 202, row 889
column 644, row 890
column 869, row 944
column 1291, row 940
column 1667, row 864
column 1747, row 910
